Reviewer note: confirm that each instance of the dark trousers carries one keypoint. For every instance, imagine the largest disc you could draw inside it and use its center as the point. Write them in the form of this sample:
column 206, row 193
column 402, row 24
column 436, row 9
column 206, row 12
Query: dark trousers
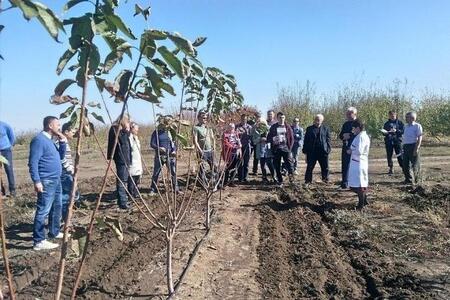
column 230, row 171
column 267, row 161
column 392, row 146
column 411, row 161
column 7, row 153
column 287, row 159
column 345, row 163
column 157, row 167
column 207, row 157
column 255, row 161
column 133, row 188
column 243, row 167
column 122, row 173
column 312, row 158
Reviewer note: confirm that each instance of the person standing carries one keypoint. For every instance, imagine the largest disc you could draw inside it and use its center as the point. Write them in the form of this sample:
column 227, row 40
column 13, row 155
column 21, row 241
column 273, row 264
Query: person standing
column 412, row 140
column 7, row 140
column 281, row 139
column 358, row 173
column 393, row 131
column 317, row 147
column 204, row 143
column 244, row 131
column 253, row 123
column 231, row 153
column 271, row 120
column 346, row 136
column 121, row 156
column 135, row 169
column 45, row 169
column 165, row 155
column 297, row 130
column 67, row 172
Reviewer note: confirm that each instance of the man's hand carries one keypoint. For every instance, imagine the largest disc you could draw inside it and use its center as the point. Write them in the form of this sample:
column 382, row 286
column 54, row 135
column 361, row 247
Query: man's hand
column 173, row 154
column 346, row 136
column 306, row 158
column 38, row 187
column 162, row 150
column 415, row 152
column 349, row 151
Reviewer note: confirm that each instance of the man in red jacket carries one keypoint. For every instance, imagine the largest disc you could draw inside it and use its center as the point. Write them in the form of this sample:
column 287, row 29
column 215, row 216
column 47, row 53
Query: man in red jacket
column 281, row 139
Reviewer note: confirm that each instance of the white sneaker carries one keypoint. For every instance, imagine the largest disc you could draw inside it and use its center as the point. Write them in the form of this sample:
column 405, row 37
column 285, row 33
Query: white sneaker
column 45, row 245
column 61, row 235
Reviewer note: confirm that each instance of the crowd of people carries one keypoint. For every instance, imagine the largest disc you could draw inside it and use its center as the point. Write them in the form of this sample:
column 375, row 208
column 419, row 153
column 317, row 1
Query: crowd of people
column 274, row 145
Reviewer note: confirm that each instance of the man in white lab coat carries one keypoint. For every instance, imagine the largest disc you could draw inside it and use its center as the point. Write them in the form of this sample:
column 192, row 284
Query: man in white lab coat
column 358, row 172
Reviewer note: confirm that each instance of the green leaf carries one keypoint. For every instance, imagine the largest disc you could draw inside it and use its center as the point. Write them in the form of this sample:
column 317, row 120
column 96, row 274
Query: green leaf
column 197, row 70
column 62, row 86
column 81, row 30
column 183, row 44
column 198, row 41
column 162, row 67
column 123, row 81
column 173, row 62
column 147, row 46
column 157, row 82
column 3, row 160
column 148, row 96
column 68, row 112
column 98, row 117
column 110, row 61
column 94, row 104
column 75, row 119
column 1, row 27
column 100, row 82
column 64, row 59
column 27, row 7
column 72, row 3
column 94, row 58
column 117, row 21
column 101, row 26
column 116, row 43
column 183, row 140
column 49, row 20
column 154, row 34
column 139, row 10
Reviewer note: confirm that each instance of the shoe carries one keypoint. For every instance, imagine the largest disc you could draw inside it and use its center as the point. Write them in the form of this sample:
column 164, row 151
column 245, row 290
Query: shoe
column 406, row 182
column 232, row 184
column 124, row 207
column 45, row 245
column 265, row 180
column 391, row 171
column 280, row 185
column 291, row 178
column 61, row 235
column 12, row 194
column 253, row 173
column 325, row 180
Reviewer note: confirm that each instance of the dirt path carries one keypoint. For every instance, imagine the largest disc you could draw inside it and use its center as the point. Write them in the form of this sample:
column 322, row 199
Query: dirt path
column 227, row 264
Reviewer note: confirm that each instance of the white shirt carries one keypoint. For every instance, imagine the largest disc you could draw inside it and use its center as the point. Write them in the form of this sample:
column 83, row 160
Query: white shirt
column 412, row 133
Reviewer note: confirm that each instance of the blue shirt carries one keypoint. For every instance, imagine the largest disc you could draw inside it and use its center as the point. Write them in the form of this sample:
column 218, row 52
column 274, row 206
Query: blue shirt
column 44, row 161
column 7, row 137
column 161, row 138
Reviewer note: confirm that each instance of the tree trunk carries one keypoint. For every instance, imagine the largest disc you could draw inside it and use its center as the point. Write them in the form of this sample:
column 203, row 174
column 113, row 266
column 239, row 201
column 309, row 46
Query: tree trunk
column 169, row 242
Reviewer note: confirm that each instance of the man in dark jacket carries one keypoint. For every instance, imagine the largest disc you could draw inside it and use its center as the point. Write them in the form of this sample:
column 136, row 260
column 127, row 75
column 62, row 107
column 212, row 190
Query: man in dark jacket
column 244, row 131
column 346, row 136
column 121, row 156
column 281, row 139
column 165, row 154
column 393, row 131
column 317, row 147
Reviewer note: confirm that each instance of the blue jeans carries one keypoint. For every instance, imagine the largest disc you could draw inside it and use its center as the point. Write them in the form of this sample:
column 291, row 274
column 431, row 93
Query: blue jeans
column 122, row 196
column 295, row 152
column 66, row 184
column 49, row 204
column 7, row 153
column 158, row 163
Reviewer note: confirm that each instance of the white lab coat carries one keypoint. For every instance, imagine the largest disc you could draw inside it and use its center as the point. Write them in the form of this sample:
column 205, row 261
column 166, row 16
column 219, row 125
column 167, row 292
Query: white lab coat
column 136, row 161
column 358, row 172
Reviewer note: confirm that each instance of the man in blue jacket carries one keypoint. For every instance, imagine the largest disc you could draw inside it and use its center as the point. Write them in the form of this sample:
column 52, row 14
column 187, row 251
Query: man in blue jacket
column 7, row 140
column 45, row 169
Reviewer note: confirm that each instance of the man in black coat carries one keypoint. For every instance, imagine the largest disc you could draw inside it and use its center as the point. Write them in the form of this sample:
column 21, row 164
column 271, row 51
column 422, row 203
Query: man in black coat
column 347, row 137
column 317, row 147
column 393, row 131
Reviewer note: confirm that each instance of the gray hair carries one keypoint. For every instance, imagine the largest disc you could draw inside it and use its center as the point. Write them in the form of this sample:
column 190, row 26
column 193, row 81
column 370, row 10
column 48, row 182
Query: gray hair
column 320, row 116
column 352, row 109
column 412, row 114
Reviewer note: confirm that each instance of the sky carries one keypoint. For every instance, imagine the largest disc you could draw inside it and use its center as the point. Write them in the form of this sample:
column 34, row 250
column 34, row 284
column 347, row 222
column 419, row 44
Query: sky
column 264, row 43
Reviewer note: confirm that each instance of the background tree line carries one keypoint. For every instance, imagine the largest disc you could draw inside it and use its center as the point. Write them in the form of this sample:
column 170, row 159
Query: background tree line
column 373, row 103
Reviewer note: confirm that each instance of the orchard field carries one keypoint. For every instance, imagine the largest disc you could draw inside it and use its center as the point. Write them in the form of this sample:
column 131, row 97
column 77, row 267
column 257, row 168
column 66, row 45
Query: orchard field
column 264, row 242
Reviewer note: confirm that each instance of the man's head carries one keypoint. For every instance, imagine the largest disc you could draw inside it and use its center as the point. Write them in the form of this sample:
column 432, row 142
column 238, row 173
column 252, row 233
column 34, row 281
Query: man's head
column 410, row 117
column 123, row 123
column 270, row 115
column 230, row 127
column 351, row 113
column 51, row 124
column 134, row 128
column 392, row 115
column 357, row 126
column 257, row 115
column 68, row 131
column 202, row 117
column 318, row 120
column 244, row 119
column 296, row 121
column 281, row 118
